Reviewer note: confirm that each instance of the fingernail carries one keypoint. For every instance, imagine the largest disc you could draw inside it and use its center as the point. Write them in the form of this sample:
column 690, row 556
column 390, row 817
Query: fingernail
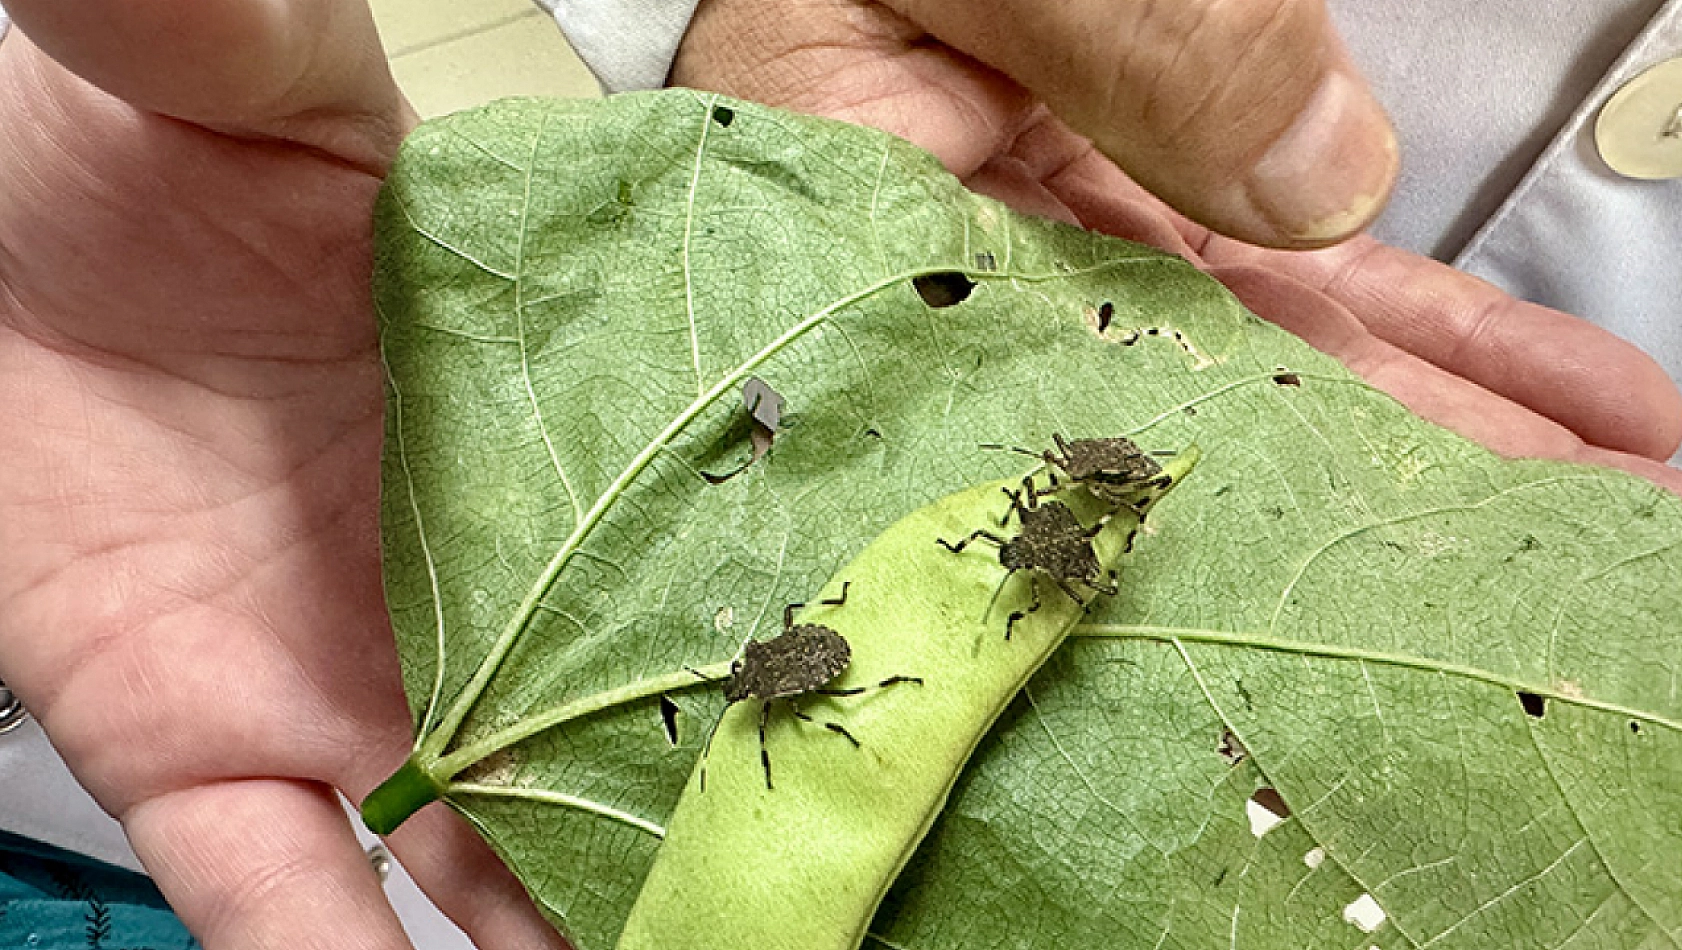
column 1331, row 171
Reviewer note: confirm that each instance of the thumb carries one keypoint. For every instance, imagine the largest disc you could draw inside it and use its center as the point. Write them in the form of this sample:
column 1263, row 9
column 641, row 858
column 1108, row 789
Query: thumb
column 1247, row 116
column 310, row 71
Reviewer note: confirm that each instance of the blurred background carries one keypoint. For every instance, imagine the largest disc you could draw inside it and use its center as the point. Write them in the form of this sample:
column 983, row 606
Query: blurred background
column 452, row 54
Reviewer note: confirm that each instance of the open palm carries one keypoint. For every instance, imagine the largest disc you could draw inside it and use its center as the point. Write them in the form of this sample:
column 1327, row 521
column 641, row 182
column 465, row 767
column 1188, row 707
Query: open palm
column 189, row 554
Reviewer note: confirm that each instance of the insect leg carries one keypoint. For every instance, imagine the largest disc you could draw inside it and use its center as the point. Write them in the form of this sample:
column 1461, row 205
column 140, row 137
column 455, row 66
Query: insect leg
column 1051, row 475
column 855, row 690
column 1015, row 615
column 1108, row 588
column 1008, row 448
column 1033, row 495
column 981, row 533
column 1063, row 586
column 834, row 727
column 707, row 748
column 764, row 753
column 788, row 610
column 1127, row 545
column 1015, row 506
column 896, row 680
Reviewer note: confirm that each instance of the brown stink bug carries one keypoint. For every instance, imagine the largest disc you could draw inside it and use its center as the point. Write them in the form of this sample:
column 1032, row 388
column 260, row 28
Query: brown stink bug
column 1052, row 543
column 799, row 662
column 1114, row 469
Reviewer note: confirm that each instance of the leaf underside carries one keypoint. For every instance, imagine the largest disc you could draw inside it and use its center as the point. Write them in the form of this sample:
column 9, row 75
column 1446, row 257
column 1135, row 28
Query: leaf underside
column 1343, row 604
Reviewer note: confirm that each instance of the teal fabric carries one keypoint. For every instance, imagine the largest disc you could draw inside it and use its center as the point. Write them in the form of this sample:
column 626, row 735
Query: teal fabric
column 55, row 900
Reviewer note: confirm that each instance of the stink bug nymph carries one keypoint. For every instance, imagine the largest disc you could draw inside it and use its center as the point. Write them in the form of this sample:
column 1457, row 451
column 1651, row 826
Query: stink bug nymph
column 800, row 661
column 1114, row 469
column 1052, row 543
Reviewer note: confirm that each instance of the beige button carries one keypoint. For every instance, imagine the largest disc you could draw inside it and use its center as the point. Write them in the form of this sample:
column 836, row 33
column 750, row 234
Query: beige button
column 1639, row 132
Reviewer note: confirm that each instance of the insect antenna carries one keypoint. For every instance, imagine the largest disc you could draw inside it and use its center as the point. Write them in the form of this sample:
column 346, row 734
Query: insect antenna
column 707, row 748
column 1001, row 447
column 988, row 610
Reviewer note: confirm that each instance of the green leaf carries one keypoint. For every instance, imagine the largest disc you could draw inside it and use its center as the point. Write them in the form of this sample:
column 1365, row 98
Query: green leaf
column 1343, row 605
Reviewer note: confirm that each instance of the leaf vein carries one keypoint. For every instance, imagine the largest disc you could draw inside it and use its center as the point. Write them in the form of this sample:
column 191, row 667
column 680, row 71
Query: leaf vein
column 550, row 797
column 520, row 322
column 425, row 545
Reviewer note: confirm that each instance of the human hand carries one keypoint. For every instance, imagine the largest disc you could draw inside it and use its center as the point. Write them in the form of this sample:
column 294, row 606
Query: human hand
column 1246, row 117
column 190, row 398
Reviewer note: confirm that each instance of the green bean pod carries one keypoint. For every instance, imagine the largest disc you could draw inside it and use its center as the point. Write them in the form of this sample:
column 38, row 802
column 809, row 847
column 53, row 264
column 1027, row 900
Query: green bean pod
column 803, row 865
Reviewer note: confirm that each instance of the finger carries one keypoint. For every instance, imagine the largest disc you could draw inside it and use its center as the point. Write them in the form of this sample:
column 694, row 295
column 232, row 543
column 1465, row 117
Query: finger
column 1458, row 404
column 1597, row 385
column 305, row 70
column 469, row 883
column 1246, row 117
column 454, row 865
column 264, row 864
column 1604, row 390
column 858, row 62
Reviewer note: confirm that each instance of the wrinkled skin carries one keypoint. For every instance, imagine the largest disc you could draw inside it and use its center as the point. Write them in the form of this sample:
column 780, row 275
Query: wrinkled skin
column 189, row 562
column 189, row 566
column 1037, row 103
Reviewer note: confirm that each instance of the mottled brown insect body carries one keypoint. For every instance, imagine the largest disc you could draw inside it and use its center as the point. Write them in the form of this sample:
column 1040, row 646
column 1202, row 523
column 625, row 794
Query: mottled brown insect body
column 799, row 660
column 1114, row 469
column 1052, row 543
column 1053, row 540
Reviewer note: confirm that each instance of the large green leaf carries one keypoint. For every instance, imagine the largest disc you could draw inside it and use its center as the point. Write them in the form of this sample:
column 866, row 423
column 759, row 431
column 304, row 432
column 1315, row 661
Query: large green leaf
column 1458, row 674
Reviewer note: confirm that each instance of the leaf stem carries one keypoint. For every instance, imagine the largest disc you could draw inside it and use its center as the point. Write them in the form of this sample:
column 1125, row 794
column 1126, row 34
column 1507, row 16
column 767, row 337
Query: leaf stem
column 408, row 790
column 1256, row 641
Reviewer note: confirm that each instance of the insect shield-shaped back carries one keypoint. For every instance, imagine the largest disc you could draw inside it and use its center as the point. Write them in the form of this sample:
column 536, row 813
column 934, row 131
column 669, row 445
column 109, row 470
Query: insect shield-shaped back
column 1053, row 544
column 806, row 864
column 1114, row 468
column 799, row 660
column 797, row 663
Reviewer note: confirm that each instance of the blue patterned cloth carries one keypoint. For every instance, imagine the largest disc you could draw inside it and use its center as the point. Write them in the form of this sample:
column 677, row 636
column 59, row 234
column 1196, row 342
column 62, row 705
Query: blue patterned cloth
column 55, row 900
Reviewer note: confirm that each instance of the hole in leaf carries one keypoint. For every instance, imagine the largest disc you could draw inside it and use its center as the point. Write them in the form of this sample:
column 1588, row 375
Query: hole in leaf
column 1287, row 379
column 668, row 718
column 1106, row 313
column 945, row 289
column 1266, row 810
column 1365, row 913
column 1635, row 727
column 1534, row 706
column 986, row 261
column 1232, row 748
column 1314, row 857
column 724, row 115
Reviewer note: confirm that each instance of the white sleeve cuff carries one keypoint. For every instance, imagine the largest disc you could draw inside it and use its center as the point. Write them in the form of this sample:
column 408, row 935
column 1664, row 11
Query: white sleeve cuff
column 627, row 44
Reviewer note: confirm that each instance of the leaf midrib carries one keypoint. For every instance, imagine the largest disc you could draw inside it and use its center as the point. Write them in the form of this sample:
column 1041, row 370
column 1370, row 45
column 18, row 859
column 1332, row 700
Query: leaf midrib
column 1277, row 644
column 435, row 743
